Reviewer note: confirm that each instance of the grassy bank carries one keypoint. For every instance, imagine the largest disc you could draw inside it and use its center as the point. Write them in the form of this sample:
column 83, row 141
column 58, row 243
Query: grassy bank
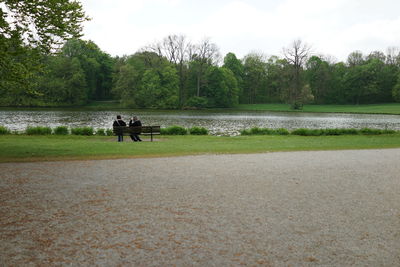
column 20, row 148
column 391, row 108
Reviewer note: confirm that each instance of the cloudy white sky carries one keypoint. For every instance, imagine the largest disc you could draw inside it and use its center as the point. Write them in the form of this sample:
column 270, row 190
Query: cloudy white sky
column 331, row 27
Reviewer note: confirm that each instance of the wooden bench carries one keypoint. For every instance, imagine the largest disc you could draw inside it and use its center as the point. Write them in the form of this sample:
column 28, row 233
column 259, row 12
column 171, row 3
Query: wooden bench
column 144, row 130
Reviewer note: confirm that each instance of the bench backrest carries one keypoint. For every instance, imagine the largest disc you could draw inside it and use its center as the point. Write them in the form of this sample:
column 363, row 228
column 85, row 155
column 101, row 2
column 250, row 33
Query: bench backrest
column 120, row 130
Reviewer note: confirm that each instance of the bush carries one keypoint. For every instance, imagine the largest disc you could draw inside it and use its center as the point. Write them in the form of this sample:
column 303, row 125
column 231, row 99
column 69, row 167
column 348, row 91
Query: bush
column 388, row 131
column 61, row 130
column 260, row 131
column 307, row 132
column 82, row 131
column 245, row 132
column 174, row 130
column 101, row 132
column 349, row 131
column 368, row 131
column 38, row 130
column 109, row 132
column 264, row 131
column 198, row 131
column 4, row 130
column 282, row 131
column 196, row 102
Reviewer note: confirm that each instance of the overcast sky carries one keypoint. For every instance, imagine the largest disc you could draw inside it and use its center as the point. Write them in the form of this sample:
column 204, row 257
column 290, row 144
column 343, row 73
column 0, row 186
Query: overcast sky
column 331, row 27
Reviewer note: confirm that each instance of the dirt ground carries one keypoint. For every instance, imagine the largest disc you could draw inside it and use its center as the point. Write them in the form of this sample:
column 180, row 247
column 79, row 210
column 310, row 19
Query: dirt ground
column 326, row 208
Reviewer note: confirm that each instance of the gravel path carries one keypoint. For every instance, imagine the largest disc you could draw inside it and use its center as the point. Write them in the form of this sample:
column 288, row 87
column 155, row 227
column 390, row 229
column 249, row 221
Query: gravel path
column 327, row 208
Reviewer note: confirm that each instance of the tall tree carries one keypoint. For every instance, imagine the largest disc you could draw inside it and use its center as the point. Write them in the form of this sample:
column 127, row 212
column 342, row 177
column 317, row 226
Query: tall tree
column 27, row 30
column 205, row 54
column 222, row 88
column 96, row 64
column 319, row 77
column 355, row 58
column 178, row 50
column 145, row 80
column 255, row 73
column 296, row 54
column 236, row 66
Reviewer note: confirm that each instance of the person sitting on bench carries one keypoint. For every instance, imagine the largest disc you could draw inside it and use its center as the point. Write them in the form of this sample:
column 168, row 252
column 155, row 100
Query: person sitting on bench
column 135, row 122
column 119, row 122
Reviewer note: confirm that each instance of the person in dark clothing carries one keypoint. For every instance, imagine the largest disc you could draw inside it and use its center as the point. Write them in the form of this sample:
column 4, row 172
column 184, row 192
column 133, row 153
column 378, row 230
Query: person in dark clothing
column 135, row 122
column 119, row 122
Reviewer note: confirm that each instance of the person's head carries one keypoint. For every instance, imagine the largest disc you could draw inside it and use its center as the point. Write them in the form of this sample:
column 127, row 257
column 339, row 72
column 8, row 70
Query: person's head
column 118, row 117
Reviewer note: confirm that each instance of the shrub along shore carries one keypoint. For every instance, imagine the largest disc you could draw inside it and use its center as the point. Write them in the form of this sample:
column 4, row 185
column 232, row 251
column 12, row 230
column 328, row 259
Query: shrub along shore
column 179, row 130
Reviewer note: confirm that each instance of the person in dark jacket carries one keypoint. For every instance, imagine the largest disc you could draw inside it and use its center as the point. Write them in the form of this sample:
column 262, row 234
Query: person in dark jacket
column 119, row 122
column 135, row 122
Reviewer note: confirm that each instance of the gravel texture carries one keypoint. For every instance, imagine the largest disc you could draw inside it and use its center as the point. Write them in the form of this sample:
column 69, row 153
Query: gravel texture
column 326, row 208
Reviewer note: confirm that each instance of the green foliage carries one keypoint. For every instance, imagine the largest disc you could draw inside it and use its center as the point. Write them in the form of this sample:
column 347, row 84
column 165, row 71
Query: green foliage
column 255, row 74
column 82, row 131
column 145, row 80
column 61, row 130
column 396, row 90
column 326, row 132
column 282, row 131
column 222, row 89
column 232, row 63
column 315, row 132
column 198, row 131
column 38, row 130
column 30, row 29
column 368, row 131
column 264, row 131
column 109, row 132
column 307, row 132
column 196, row 102
column 101, row 132
column 4, row 130
column 174, row 130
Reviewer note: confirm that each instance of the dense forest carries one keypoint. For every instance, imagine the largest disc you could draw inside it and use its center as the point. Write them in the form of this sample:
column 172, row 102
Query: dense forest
column 52, row 66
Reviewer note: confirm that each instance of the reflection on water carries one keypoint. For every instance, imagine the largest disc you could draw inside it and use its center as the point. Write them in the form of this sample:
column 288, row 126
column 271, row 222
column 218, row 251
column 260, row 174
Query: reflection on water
column 218, row 122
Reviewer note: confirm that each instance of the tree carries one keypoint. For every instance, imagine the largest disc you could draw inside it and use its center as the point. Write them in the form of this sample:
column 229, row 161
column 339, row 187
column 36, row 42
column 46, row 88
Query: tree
column 355, row 58
column 396, row 90
column 393, row 56
column 222, row 89
column 178, row 50
column 29, row 29
column 205, row 54
column 255, row 73
column 145, row 80
column 96, row 64
column 296, row 55
column 63, row 82
column 278, row 75
column 232, row 63
column 319, row 77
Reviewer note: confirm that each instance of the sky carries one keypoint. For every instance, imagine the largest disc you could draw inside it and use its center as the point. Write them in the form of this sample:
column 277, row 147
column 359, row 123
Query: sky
column 333, row 28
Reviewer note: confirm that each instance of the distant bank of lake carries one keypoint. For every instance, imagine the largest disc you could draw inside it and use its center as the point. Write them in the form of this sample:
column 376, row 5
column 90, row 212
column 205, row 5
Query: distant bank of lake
column 218, row 122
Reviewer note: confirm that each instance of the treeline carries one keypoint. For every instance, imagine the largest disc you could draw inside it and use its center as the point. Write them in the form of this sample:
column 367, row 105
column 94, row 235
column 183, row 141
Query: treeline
column 175, row 73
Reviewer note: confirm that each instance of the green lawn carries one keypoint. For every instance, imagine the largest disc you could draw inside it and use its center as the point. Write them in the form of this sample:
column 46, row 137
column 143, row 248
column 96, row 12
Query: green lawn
column 392, row 108
column 17, row 148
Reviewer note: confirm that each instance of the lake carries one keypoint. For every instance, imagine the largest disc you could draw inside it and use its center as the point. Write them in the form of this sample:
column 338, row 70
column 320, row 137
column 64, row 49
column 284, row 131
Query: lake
column 221, row 122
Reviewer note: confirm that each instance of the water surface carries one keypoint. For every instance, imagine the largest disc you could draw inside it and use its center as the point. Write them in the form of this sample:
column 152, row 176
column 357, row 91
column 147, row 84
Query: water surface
column 218, row 122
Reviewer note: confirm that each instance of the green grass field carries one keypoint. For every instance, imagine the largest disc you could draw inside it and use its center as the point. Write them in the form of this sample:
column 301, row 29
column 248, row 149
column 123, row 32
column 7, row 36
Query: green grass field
column 20, row 148
column 392, row 108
